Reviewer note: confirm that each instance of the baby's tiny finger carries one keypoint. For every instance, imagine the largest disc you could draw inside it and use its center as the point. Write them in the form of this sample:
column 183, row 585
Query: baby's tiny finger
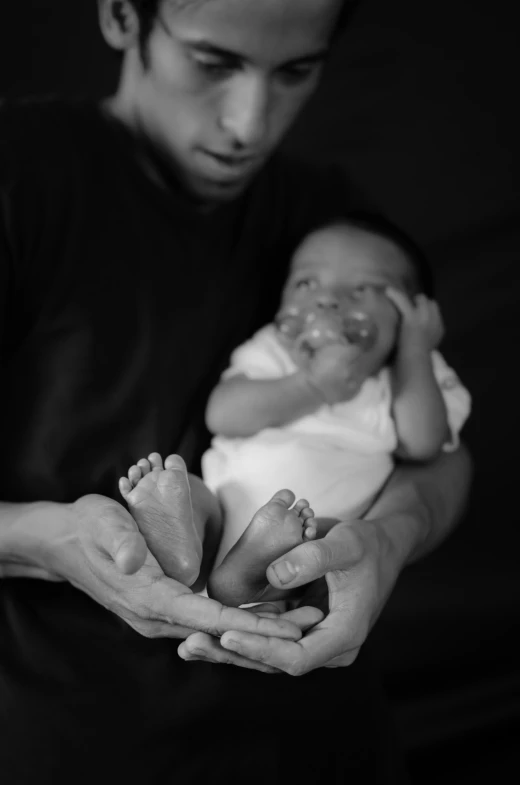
column 400, row 300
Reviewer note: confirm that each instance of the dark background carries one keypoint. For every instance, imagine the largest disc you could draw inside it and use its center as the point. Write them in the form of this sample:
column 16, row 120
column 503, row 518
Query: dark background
column 420, row 107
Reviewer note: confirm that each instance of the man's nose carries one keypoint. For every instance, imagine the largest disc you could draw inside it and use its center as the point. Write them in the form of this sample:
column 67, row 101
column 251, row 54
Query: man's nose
column 244, row 110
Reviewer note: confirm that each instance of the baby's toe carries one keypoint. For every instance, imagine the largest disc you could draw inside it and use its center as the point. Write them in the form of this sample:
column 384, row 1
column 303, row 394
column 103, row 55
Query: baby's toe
column 125, row 486
column 307, row 513
column 310, row 528
column 144, row 465
column 134, row 475
column 300, row 505
column 155, row 460
column 284, row 497
column 174, row 462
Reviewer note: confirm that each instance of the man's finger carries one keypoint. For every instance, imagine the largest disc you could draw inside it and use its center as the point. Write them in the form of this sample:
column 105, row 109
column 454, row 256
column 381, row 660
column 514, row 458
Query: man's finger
column 264, row 607
column 327, row 641
column 170, row 601
column 25, row 571
column 340, row 549
column 305, row 617
column 205, row 648
column 344, row 660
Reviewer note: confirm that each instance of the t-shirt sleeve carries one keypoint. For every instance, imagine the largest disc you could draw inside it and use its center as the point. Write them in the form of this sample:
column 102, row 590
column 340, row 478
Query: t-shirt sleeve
column 259, row 358
column 456, row 397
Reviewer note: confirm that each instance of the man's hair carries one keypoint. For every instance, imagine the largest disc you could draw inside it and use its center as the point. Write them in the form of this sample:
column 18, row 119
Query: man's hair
column 147, row 11
column 374, row 223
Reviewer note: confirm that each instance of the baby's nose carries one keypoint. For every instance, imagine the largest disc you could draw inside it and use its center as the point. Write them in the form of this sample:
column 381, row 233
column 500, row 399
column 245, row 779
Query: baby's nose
column 327, row 301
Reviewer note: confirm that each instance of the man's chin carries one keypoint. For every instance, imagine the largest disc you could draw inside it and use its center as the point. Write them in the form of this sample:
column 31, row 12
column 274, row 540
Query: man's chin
column 217, row 192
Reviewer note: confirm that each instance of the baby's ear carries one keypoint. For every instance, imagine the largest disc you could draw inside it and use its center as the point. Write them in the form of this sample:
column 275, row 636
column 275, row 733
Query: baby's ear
column 119, row 23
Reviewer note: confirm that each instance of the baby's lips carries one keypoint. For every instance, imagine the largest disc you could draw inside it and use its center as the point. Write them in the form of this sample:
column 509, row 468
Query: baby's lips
column 360, row 329
column 289, row 322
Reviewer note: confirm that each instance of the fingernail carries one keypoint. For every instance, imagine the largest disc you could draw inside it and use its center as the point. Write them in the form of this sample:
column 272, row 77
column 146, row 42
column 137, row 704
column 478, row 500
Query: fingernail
column 285, row 571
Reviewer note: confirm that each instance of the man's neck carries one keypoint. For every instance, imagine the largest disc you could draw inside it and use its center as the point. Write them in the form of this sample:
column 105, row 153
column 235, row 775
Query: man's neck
column 156, row 166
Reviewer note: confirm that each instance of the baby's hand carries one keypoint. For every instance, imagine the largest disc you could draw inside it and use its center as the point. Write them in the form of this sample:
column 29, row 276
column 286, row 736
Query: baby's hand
column 422, row 327
column 332, row 371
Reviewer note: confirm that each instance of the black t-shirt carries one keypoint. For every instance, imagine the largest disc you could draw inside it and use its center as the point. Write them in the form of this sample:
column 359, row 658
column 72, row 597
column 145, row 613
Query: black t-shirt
column 120, row 303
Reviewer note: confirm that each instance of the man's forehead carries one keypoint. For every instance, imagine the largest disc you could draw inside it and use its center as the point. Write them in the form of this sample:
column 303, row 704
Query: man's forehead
column 275, row 30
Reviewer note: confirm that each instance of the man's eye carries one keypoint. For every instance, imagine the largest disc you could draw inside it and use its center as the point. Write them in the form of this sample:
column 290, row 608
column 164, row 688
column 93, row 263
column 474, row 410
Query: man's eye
column 214, row 66
column 294, row 75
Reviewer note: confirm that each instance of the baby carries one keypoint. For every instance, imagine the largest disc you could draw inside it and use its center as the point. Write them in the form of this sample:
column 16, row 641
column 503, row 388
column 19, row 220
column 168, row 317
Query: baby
column 321, row 402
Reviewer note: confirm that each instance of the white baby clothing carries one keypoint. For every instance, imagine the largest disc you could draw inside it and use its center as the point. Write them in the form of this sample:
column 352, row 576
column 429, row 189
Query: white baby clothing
column 338, row 457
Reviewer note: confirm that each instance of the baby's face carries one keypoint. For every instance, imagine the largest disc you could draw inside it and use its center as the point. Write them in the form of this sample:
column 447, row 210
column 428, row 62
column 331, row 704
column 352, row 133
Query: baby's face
column 337, row 284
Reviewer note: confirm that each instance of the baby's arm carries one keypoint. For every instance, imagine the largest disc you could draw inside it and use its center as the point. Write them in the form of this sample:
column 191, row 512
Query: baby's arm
column 240, row 406
column 418, row 406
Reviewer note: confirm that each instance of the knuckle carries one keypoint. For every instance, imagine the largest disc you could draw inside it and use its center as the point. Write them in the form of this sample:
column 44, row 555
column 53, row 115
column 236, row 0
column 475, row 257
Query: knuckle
column 319, row 554
column 196, row 644
column 313, row 552
column 262, row 656
column 140, row 610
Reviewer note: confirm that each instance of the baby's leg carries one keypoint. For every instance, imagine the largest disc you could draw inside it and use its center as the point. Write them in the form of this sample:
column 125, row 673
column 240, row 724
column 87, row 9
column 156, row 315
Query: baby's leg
column 275, row 529
column 171, row 511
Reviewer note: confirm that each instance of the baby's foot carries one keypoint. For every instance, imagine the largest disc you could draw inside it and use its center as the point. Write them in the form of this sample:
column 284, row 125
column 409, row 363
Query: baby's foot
column 275, row 529
column 159, row 499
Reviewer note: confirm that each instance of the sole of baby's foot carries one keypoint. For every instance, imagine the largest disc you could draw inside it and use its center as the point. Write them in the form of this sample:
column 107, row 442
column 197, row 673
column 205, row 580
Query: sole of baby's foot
column 158, row 496
column 278, row 527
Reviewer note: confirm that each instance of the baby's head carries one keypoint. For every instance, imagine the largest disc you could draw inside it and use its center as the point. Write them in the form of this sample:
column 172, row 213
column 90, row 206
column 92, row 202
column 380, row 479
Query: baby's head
column 336, row 289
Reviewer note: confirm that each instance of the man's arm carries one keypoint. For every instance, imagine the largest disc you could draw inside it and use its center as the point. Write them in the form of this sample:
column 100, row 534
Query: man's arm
column 430, row 500
column 95, row 545
column 23, row 530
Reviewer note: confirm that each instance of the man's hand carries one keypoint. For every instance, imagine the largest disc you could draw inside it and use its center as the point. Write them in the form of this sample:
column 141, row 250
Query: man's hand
column 357, row 583
column 361, row 561
column 422, row 327
column 96, row 546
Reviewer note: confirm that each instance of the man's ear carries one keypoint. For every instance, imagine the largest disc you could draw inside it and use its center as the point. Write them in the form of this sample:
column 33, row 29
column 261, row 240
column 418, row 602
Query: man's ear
column 119, row 23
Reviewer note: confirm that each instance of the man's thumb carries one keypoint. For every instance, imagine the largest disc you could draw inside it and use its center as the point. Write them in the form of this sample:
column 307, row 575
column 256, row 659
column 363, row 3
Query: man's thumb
column 113, row 530
column 130, row 552
column 338, row 550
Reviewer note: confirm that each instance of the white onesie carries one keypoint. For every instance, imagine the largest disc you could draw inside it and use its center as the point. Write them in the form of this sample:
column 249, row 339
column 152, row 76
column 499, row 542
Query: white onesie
column 338, row 458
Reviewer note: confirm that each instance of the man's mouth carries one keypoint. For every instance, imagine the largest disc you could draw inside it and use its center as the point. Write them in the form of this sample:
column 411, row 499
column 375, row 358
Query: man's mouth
column 229, row 166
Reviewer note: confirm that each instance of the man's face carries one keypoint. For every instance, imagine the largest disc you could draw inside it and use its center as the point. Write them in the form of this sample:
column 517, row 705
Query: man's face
column 223, row 81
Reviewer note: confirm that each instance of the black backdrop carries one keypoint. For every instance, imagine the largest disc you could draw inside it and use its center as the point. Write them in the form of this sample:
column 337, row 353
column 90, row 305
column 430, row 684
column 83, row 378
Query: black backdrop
column 419, row 105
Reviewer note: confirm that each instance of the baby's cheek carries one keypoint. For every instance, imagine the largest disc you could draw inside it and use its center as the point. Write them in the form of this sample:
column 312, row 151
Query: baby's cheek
column 389, row 332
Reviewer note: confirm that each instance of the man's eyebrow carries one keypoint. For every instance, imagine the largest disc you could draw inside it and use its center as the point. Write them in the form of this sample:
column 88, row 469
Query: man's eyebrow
column 206, row 47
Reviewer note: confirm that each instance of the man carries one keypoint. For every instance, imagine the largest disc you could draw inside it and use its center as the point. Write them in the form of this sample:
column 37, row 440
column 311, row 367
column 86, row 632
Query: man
column 139, row 243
